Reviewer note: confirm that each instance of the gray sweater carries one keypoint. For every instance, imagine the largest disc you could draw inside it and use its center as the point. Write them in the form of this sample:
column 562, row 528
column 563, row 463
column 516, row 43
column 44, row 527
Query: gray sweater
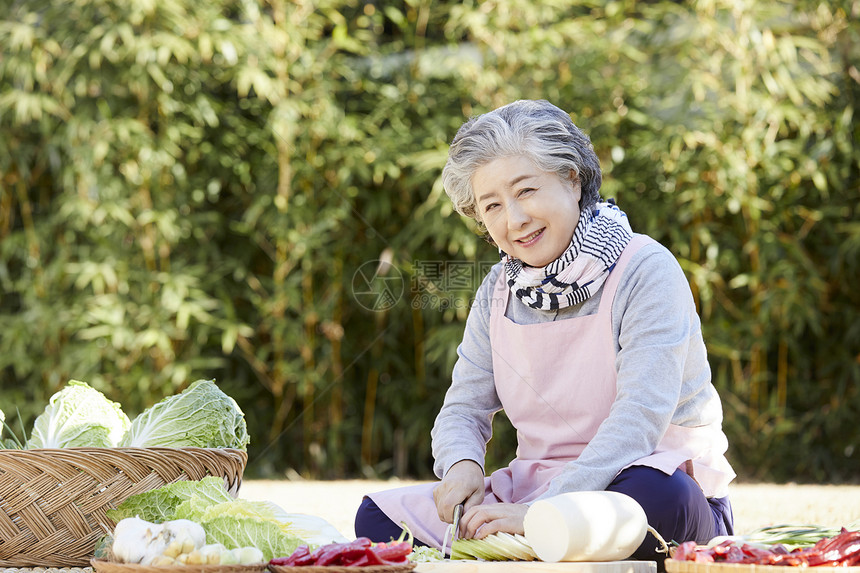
column 663, row 373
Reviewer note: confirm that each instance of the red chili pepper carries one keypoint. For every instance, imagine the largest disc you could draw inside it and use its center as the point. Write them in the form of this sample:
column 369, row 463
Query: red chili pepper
column 302, row 560
column 369, row 558
column 754, row 554
column 329, row 554
column 300, row 552
column 720, row 549
column 341, row 556
column 334, row 553
column 736, row 554
column 684, row 551
column 840, row 548
column 394, row 552
column 702, row 557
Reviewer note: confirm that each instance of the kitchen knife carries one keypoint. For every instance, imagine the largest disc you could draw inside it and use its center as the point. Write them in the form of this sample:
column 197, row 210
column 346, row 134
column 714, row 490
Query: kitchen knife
column 455, row 526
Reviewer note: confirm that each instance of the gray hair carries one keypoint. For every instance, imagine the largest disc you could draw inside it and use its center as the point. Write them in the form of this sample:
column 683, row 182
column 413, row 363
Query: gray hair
column 533, row 128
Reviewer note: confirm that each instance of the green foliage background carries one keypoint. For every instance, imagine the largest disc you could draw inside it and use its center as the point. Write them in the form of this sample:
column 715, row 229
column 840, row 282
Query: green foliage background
column 197, row 189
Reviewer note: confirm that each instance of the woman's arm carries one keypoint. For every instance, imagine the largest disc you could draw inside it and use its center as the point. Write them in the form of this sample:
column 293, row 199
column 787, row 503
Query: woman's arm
column 659, row 352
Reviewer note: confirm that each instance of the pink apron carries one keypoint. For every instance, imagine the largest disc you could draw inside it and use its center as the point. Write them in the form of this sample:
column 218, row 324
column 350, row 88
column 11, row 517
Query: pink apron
column 556, row 404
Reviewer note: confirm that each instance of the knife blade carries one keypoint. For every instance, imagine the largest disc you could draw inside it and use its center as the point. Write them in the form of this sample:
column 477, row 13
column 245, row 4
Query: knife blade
column 455, row 526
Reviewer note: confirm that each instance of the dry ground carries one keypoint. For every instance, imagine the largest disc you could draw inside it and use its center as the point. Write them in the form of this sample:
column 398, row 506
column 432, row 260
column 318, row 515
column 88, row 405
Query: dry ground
column 755, row 505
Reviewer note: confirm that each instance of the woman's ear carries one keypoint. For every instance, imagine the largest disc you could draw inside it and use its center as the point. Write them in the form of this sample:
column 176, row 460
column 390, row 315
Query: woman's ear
column 482, row 230
column 576, row 185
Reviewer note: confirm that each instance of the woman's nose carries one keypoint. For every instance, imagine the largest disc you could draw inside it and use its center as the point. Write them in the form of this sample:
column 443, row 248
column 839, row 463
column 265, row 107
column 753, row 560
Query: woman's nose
column 517, row 216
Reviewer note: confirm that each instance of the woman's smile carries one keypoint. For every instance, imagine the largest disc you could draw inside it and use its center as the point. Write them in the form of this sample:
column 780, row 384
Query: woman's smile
column 530, row 214
column 531, row 239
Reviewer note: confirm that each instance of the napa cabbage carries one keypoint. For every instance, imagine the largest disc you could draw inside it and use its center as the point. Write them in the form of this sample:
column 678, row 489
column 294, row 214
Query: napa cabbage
column 200, row 416
column 79, row 416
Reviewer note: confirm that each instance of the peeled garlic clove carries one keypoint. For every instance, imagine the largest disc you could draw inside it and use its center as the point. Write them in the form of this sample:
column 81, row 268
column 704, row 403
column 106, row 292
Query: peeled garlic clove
column 249, row 555
column 162, row 561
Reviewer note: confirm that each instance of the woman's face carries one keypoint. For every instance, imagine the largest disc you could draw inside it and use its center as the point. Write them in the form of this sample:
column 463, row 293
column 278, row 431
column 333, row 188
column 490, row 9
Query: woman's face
column 529, row 213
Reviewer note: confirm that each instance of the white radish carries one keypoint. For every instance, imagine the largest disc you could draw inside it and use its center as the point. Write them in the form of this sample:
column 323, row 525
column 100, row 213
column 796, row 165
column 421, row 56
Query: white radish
column 585, row 526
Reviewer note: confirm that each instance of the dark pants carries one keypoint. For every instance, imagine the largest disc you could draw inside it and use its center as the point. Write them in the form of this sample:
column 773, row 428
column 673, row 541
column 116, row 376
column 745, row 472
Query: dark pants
column 674, row 505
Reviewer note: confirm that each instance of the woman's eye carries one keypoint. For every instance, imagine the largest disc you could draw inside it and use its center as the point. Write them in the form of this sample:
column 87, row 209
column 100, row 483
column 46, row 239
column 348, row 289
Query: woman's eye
column 490, row 206
column 527, row 190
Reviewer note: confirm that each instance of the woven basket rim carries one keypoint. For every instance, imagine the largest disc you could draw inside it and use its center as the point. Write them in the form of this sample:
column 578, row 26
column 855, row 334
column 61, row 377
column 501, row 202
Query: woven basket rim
column 105, row 566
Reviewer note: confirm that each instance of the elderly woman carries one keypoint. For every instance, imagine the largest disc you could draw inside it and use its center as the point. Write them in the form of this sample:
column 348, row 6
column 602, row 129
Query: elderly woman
column 585, row 333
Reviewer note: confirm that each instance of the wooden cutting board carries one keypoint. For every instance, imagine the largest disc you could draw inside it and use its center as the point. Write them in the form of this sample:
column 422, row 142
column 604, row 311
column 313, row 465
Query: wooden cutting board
column 537, row 567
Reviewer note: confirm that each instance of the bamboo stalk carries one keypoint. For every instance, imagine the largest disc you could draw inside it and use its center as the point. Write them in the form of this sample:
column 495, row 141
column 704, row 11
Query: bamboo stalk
column 367, row 420
column 782, row 376
column 336, row 397
column 755, row 385
column 7, row 216
column 419, row 351
column 370, row 394
column 309, row 386
column 34, row 250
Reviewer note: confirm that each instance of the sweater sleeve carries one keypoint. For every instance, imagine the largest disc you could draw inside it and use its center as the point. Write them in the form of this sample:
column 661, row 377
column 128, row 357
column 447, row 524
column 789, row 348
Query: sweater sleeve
column 655, row 321
column 464, row 423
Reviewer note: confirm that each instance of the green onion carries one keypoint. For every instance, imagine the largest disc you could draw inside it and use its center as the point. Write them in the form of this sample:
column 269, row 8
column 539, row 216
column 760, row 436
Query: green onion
column 424, row 554
column 496, row 547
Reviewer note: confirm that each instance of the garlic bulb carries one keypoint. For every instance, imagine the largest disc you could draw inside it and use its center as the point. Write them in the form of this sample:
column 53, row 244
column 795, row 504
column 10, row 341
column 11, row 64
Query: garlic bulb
column 132, row 537
column 139, row 541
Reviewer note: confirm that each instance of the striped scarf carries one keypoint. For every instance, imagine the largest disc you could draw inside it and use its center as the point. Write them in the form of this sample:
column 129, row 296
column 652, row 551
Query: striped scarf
column 599, row 237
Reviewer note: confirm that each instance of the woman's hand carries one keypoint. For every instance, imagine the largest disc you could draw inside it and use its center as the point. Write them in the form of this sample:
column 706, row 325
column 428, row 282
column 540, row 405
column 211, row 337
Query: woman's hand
column 463, row 483
column 483, row 520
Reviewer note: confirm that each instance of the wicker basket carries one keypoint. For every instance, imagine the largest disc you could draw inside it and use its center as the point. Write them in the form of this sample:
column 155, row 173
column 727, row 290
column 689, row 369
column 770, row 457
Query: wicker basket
column 53, row 502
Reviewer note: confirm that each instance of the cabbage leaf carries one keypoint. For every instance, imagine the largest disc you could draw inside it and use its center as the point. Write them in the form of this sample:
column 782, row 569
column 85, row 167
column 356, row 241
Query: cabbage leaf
column 200, row 416
column 79, row 416
column 162, row 504
column 233, row 531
